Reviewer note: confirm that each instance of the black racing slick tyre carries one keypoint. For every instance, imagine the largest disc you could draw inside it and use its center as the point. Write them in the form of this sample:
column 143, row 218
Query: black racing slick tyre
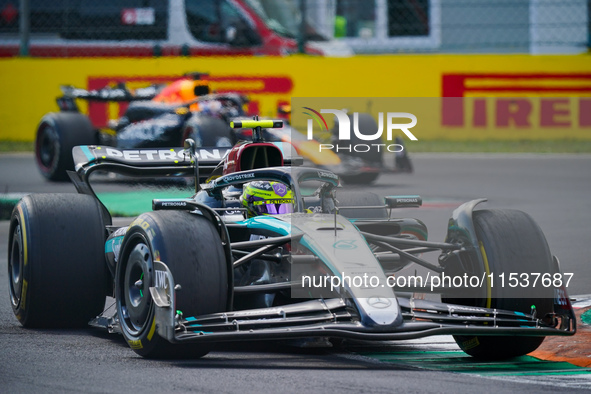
column 56, row 268
column 510, row 242
column 361, row 199
column 57, row 134
column 190, row 246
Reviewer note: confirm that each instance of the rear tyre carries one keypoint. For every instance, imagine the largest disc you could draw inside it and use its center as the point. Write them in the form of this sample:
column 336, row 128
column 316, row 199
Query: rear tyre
column 191, row 248
column 57, row 134
column 361, row 199
column 56, row 269
column 512, row 243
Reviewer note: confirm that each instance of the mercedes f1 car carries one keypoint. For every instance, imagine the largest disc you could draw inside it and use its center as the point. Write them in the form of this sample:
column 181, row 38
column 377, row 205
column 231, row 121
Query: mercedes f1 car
column 224, row 265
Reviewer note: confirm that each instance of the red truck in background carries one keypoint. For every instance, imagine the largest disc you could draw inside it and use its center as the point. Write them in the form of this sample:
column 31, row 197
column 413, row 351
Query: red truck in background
column 88, row 28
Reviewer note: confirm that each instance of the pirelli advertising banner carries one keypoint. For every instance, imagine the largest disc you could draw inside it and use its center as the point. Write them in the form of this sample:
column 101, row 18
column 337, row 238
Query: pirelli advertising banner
column 458, row 97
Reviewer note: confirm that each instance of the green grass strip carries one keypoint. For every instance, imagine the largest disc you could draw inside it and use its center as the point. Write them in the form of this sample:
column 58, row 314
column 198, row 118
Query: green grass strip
column 456, row 361
column 6, row 207
column 17, row 146
column 134, row 203
column 7, row 203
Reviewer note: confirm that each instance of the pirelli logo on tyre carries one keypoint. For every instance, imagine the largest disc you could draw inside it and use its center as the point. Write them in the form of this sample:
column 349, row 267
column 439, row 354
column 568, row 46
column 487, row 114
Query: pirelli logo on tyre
column 24, row 295
column 470, row 343
column 135, row 344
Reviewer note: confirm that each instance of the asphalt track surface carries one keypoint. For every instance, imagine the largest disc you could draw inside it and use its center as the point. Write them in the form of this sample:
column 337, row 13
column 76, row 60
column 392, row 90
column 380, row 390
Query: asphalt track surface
column 553, row 189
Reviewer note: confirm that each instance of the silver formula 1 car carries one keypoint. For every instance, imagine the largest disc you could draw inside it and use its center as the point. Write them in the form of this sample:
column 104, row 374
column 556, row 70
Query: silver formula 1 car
column 210, row 267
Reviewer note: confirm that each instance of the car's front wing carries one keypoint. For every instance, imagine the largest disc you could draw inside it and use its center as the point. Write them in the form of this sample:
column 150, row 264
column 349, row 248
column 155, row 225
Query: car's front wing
column 338, row 318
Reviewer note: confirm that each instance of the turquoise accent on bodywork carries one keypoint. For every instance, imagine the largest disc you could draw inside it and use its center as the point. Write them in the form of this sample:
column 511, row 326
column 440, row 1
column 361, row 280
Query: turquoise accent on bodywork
column 281, row 227
column 190, row 319
column 270, row 223
column 109, row 246
column 87, row 153
column 278, row 145
column 321, row 256
column 521, row 314
column 281, row 146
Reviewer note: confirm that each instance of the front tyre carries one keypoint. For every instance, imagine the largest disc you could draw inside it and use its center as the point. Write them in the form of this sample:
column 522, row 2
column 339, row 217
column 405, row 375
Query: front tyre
column 510, row 242
column 191, row 248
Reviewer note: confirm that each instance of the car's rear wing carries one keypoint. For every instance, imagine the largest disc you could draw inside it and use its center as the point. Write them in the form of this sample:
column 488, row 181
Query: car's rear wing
column 158, row 161
column 119, row 93
column 197, row 162
column 108, row 93
column 146, row 162
column 153, row 163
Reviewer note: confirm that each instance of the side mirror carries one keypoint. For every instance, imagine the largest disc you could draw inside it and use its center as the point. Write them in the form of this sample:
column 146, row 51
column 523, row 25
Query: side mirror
column 230, row 34
column 240, row 34
column 190, row 147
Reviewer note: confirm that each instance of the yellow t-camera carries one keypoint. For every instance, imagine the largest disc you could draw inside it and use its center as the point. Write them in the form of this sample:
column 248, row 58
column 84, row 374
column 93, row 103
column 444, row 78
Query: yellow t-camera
column 267, row 124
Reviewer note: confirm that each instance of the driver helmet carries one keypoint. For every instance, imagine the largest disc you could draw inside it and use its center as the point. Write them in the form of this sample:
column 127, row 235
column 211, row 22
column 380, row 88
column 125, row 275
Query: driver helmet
column 267, row 198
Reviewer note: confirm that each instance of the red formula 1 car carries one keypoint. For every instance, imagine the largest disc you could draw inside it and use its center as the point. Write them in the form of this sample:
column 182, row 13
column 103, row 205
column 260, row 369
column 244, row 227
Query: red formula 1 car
column 157, row 116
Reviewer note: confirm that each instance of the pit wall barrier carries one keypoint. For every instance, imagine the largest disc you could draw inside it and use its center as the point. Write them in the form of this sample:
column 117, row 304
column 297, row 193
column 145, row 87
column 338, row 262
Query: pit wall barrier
column 505, row 96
